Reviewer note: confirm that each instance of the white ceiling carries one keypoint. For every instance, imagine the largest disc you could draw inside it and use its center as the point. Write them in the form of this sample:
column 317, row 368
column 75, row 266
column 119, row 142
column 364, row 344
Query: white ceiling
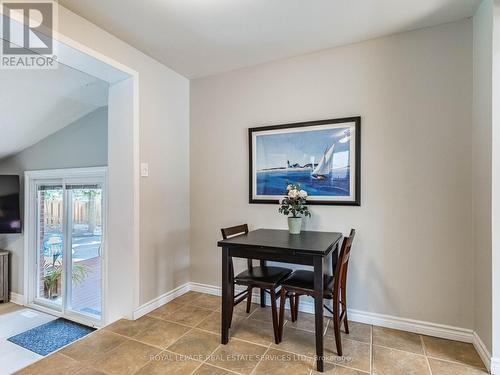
column 37, row 103
column 203, row 37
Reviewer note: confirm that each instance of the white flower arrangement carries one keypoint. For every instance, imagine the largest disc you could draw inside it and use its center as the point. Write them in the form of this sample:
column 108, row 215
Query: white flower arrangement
column 294, row 202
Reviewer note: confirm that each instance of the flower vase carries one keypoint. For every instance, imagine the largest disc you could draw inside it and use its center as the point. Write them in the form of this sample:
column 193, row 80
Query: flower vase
column 294, row 225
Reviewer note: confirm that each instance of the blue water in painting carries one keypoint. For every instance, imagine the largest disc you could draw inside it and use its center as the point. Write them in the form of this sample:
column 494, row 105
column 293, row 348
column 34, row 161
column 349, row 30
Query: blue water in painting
column 275, row 182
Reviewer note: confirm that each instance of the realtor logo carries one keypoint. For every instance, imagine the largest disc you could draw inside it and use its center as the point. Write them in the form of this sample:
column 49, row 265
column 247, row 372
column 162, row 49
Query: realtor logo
column 27, row 34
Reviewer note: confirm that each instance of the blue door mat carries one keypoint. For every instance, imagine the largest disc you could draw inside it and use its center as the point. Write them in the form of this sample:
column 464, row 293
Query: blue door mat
column 50, row 336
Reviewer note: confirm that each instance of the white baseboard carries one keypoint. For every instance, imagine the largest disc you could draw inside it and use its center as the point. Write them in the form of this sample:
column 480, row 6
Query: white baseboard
column 483, row 351
column 411, row 325
column 495, row 366
column 16, row 298
column 160, row 301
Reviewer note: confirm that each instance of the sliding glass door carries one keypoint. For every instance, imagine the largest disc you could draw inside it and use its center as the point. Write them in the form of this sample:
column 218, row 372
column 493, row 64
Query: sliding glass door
column 49, row 250
column 85, row 242
column 68, row 224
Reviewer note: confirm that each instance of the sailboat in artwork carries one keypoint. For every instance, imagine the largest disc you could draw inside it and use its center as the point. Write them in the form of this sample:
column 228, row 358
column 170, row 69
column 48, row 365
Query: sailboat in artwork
column 325, row 165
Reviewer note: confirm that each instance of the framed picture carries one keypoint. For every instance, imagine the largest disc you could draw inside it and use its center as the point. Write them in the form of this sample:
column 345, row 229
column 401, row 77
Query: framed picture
column 322, row 156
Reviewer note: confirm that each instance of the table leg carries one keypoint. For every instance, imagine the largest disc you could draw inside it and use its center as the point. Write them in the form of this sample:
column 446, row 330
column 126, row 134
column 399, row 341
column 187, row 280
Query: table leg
column 226, row 295
column 262, row 291
column 318, row 310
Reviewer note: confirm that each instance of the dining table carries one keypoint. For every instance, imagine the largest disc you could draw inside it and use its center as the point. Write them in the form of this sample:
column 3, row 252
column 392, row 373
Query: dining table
column 309, row 248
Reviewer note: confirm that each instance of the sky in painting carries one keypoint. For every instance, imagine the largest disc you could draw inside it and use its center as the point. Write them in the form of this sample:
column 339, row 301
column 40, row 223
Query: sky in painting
column 273, row 150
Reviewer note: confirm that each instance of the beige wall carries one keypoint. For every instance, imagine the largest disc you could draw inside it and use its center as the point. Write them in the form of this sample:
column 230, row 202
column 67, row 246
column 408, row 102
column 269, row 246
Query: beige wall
column 481, row 162
column 164, row 143
column 84, row 143
column 413, row 252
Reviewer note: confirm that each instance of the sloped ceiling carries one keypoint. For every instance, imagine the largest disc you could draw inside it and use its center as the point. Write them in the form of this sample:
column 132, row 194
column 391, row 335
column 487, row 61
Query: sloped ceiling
column 203, row 37
column 36, row 103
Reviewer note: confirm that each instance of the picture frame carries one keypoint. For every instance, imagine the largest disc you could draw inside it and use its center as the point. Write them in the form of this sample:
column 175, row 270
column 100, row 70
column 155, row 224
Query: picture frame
column 323, row 157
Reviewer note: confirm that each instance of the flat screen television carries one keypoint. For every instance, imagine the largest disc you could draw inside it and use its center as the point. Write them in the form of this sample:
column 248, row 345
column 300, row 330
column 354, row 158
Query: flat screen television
column 10, row 215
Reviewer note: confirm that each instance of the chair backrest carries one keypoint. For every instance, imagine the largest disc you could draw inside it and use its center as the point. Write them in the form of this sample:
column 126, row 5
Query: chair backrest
column 342, row 265
column 236, row 231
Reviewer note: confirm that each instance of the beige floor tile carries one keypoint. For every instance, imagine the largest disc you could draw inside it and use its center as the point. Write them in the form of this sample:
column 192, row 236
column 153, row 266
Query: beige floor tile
column 188, row 297
column 392, row 338
column 92, row 346
column 212, row 322
column 357, row 331
column 254, row 331
column 265, row 314
column 240, row 309
column 169, row 363
column 277, row 362
column 452, row 350
column 238, row 356
column 188, row 315
column 307, row 322
column 161, row 333
column 208, row 301
column 163, row 311
column 54, row 364
column 447, row 368
column 125, row 359
column 355, row 354
column 108, row 351
column 297, row 341
column 89, row 371
column 396, row 362
column 130, row 328
column 211, row 370
column 331, row 369
column 196, row 344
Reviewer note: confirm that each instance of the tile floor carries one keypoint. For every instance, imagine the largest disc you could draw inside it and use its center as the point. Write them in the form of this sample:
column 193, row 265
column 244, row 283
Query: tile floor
column 15, row 319
column 182, row 337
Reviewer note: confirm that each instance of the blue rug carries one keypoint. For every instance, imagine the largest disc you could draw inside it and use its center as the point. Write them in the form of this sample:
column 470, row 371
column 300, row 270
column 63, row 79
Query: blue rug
column 50, row 336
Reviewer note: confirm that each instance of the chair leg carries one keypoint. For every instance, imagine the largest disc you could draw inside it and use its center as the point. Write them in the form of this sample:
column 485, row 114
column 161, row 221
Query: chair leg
column 282, row 313
column 249, row 299
column 346, row 324
column 275, row 316
column 296, row 306
column 344, row 306
column 336, row 329
column 292, row 308
column 262, row 297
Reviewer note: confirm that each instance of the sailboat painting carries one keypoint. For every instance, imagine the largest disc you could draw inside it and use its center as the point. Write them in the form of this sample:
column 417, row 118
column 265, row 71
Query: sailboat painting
column 322, row 156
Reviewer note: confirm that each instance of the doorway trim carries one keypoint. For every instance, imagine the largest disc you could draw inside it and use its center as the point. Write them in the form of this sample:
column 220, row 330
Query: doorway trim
column 123, row 176
column 30, row 237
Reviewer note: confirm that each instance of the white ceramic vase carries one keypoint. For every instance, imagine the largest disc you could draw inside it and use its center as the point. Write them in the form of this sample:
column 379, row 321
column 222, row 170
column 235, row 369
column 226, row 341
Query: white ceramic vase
column 294, row 225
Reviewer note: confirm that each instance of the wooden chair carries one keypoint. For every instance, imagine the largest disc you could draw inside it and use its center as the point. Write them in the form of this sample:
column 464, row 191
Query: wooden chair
column 301, row 282
column 265, row 278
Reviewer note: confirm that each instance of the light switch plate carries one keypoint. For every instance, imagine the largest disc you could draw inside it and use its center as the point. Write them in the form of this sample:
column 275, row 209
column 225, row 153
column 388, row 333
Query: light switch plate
column 144, row 169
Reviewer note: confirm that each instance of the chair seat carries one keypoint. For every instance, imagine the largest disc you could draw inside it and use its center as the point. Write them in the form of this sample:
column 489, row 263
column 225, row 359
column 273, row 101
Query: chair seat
column 271, row 275
column 303, row 279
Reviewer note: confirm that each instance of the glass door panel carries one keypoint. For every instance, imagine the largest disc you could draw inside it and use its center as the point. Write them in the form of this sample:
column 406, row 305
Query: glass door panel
column 85, row 241
column 50, row 243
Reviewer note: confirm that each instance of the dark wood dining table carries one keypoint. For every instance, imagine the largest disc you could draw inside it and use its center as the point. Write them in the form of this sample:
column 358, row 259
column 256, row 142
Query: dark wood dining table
column 307, row 248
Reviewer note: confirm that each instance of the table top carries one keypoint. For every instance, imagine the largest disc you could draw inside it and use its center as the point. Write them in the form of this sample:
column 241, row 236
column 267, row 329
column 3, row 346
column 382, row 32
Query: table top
column 312, row 242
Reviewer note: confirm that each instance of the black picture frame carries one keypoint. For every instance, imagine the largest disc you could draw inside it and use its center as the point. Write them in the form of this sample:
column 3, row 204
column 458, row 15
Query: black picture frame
column 356, row 201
